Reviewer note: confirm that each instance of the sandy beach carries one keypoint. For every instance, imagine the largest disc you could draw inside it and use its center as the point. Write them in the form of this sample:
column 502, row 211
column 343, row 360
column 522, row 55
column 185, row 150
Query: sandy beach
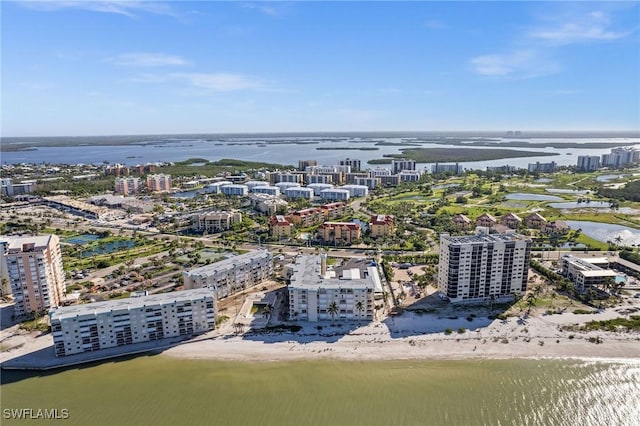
column 408, row 336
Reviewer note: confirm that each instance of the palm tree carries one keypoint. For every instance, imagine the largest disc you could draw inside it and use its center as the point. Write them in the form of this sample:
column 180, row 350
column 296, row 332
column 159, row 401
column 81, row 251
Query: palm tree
column 618, row 240
column 332, row 310
column 530, row 301
column 266, row 311
column 359, row 307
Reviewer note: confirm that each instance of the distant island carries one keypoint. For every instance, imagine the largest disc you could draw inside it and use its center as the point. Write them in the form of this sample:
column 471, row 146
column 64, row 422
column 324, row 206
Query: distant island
column 340, row 148
column 437, row 155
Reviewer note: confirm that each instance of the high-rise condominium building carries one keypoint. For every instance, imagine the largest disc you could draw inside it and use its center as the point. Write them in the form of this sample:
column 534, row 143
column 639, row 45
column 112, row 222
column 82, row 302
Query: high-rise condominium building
column 160, row 182
column 478, row 267
column 314, row 295
column 231, row 275
column 402, row 164
column 95, row 326
column 34, row 266
column 128, row 185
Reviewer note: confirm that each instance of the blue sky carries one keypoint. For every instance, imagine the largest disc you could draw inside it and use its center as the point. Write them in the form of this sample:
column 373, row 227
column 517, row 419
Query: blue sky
column 111, row 67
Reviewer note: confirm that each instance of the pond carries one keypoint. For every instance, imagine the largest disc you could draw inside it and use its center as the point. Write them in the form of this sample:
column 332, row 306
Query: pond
column 584, row 205
column 82, row 239
column 543, row 180
column 568, row 191
column 607, row 178
column 532, row 197
column 109, row 247
column 607, row 231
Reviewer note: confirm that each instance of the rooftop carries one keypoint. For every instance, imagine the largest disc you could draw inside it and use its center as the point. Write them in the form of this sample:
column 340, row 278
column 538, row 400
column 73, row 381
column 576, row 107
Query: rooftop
column 130, row 303
column 483, row 238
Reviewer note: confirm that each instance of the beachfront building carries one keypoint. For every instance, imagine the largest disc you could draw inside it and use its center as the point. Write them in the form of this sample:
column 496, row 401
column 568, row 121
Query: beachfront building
column 584, row 273
column 120, row 323
column 5, row 284
column 382, row 225
column 159, row 182
column 539, row 167
column 128, row 185
column 400, row 164
column 454, row 169
column 588, row 163
column 231, row 275
column 316, row 295
column 280, row 227
column 36, row 277
column 213, row 222
column 335, row 194
column 479, row 267
column 339, row 232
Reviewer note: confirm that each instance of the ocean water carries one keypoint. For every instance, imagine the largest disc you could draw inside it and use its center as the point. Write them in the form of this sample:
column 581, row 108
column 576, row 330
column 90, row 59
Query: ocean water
column 157, row 390
column 285, row 151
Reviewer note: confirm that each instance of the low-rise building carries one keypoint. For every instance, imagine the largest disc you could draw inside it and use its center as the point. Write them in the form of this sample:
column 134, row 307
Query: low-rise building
column 556, row 227
column 231, row 275
column 335, row 194
column 213, row 222
column 267, row 204
column 299, row 192
column 266, row 189
column 409, row 176
column 119, row 323
column 369, row 182
column 356, row 190
column 485, row 220
column 583, row 273
column 334, row 211
column 382, row 225
column 319, row 187
column 307, row 217
column 339, row 232
column 280, row 227
column 535, row 221
column 235, row 190
column 315, row 296
column 511, row 220
column 461, row 222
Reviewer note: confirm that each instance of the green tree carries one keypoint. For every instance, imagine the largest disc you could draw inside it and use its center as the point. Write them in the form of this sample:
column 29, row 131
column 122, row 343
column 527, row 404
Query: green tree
column 359, row 307
column 332, row 310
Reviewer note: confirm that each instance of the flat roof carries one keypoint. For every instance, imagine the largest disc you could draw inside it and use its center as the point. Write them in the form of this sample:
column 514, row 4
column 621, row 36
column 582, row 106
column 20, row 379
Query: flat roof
column 483, row 238
column 229, row 263
column 130, row 303
column 306, row 276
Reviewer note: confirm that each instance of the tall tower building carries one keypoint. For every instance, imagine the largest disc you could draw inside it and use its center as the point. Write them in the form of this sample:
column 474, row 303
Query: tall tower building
column 35, row 272
column 477, row 267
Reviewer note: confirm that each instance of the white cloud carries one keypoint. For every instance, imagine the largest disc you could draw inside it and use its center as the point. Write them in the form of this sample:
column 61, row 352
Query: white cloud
column 128, row 8
column 587, row 27
column 525, row 63
column 218, row 82
column 143, row 59
column 268, row 9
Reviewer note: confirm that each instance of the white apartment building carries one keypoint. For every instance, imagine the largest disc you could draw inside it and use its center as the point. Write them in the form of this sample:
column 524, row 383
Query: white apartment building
column 409, row 176
column 231, row 275
column 159, row 182
column 213, row 222
column 299, row 192
column 319, row 187
column 356, row 190
column 335, row 194
column 266, row 203
column 255, row 183
column 96, row 326
column 402, row 164
column 215, row 187
column 620, row 157
column 285, row 185
column 34, row 266
column 235, row 190
column 319, row 179
column 584, row 273
column 128, row 185
column 588, row 163
column 379, row 171
column 313, row 291
column 266, row 189
column 477, row 267
column 353, row 163
column 369, row 182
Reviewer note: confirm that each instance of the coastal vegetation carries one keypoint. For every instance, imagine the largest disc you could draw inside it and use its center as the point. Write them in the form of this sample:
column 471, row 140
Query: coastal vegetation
column 437, row 155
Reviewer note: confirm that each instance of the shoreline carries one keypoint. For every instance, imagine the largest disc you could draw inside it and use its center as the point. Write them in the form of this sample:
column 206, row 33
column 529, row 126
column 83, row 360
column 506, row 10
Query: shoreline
column 410, row 337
